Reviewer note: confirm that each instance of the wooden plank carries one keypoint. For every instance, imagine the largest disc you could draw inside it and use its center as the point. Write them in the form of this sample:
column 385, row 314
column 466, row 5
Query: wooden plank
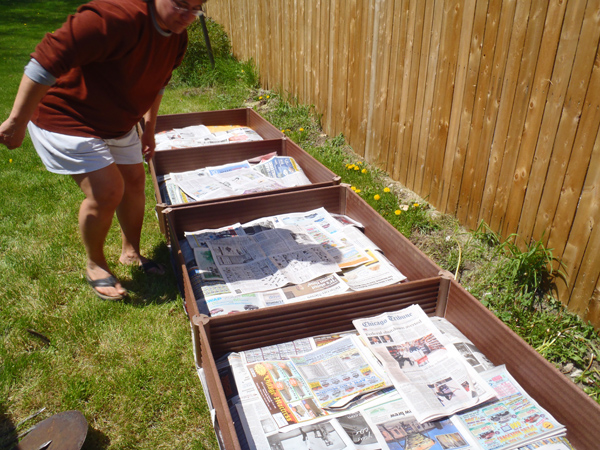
column 445, row 81
column 342, row 66
column 573, row 66
column 539, row 93
column 429, row 99
column 378, row 156
column 322, row 88
column 395, row 83
column 421, row 86
column 477, row 119
column 460, row 79
column 578, row 164
column 567, row 126
column 581, row 251
column 356, row 74
column 518, row 114
column 508, row 99
column 333, row 39
column 491, row 110
column 468, row 102
column 409, row 91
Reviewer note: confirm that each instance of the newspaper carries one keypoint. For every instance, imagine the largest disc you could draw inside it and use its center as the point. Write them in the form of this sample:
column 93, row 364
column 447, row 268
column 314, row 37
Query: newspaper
column 285, row 169
column 513, row 421
column 425, row 368
column 283, row 259
column 269, row 260
column 200, row 135
column 237, row 178
column 384, row 422
column 395, row 426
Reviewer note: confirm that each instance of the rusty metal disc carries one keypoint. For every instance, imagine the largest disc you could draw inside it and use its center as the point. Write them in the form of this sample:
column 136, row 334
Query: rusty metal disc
column 64, row 431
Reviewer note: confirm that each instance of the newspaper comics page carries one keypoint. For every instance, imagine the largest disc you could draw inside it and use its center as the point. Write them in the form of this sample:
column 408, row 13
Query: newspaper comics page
column 425, row 368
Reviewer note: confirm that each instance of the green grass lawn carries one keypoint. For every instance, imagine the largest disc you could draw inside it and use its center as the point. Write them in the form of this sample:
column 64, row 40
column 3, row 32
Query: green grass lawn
column 127, row 366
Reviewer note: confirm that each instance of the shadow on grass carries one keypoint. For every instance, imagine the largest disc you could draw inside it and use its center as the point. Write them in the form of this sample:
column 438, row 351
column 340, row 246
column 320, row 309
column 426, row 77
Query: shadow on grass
column 8, row 430
column 95, row 440
column 150, row 289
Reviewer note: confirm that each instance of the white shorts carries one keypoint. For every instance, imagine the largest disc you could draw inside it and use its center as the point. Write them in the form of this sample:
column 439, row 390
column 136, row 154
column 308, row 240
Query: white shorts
column 72, row 155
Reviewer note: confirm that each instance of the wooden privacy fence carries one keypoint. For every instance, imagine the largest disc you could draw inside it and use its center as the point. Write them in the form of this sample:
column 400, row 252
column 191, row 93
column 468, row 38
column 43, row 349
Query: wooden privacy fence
column 488, row 109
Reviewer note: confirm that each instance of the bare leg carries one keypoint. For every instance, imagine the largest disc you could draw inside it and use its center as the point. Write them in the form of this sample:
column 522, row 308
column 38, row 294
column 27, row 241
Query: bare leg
column 103, row 191
column 130, row 213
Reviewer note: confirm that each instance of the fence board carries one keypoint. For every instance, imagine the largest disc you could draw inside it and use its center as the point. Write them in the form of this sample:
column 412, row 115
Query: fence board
column 541, row 85
column 445, row 80
column 469, row 177
column 508, row 99
column 581, row 252
column 468, row 104
column 408, row 93
column 518, row 114
column 488, row 108
column 460, row 80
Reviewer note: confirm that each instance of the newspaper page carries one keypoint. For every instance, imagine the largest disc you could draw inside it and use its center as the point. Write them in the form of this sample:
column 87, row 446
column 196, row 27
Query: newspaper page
column 513, row 421
column 200, row 135
column 199, row 186
column 340, row 372
column 247, row 181
column 465, row 347
column 429, row 373
column 285, row 169
column 269, row 260
column 377, row 273
column 396, row 427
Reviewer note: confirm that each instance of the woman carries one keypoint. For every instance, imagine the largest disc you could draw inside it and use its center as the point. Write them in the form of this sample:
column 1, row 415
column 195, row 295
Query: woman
column 86, row 87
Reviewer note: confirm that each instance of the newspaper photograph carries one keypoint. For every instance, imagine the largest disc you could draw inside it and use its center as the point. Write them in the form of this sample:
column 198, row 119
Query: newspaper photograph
column 398, row 429
column 465, row 347
column 514, row 420
column 427, row 370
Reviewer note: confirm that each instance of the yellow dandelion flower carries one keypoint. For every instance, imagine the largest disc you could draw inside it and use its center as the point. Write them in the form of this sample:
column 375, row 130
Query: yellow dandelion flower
column 416, row 205
column 353, row 188
column 364, row 171
column 357, row 191
column 268, row 96
column 360, row 162
column 283, row 131
column 356, row 168
column 301, row 129
column 387, row 189
column 397, row 212
column 260, row 98
column 376, row 196
column 10, row 160
column 242, row 70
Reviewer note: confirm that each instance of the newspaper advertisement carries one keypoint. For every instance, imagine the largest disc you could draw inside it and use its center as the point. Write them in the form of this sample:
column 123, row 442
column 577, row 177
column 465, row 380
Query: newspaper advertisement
column 397, row 428
column 429, row 373
column 340, row 372
column 514, row 420
column 303, row 387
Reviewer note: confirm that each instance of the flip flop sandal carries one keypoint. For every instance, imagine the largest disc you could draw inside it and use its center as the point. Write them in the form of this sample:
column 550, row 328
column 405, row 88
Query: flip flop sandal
column 109, row 281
